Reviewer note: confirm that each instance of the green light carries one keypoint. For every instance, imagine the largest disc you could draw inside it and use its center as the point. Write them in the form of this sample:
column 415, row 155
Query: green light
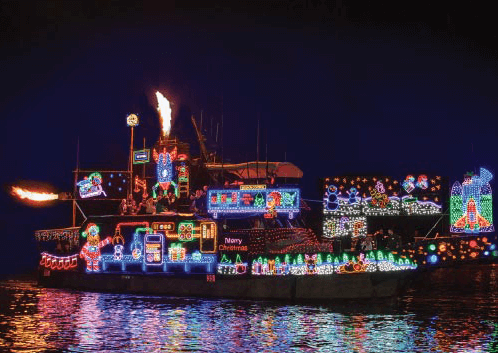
column 432, row 247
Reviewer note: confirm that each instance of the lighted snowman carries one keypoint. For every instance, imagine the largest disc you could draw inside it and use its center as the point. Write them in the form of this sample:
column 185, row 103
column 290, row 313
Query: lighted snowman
column 332, row 202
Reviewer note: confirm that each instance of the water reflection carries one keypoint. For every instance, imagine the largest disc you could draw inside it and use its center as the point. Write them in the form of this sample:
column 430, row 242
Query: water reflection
column 434, row 316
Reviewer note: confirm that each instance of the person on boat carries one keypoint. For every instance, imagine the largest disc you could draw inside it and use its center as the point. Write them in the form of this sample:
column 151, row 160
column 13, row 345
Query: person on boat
column 202, row 201
column 359, row 244
column 122, row 207
column 162, row 203
column 192, row 203
column 380, row 238
column 393, row 240
column 367, row 243
column 199, row 201
column 150, row 206
column 131, row 205
column 171, row 200
column 141, row 209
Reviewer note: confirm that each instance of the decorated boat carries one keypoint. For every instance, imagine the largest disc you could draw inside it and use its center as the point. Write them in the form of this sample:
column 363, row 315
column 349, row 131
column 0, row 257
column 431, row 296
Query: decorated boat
column 176, row 225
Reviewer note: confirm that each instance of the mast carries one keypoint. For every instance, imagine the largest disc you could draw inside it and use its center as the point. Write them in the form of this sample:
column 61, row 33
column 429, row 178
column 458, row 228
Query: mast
column 200, row 138
column 76, row 180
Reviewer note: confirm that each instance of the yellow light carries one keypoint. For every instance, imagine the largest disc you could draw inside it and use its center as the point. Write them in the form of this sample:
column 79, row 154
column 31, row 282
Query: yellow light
column 132, row 120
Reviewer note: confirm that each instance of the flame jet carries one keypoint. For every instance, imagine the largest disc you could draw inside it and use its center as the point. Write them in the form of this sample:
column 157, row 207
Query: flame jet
column 164, row 109
column 34, row 196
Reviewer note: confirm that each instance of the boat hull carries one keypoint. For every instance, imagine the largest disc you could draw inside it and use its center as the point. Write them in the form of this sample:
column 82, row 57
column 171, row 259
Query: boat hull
column 353, row 286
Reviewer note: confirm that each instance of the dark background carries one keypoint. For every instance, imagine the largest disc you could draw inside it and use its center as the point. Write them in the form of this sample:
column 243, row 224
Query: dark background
column 341, row 87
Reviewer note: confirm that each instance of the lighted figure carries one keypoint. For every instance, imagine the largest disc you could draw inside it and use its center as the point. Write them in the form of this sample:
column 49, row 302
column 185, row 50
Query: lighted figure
column 141, row 184
column 409, row 183
column 332, row 202
column 310, row 264
column 91, row 186
column 471, row 209
column 342, row 222
column 136, row 247
column 352, row 266
column 353, row 195
column 276, row 196
column 422, row 181
column 91, row 250
column 472, row 221
column 259, row 200
column 288, row 198
column 271, row 204
column 271, row 267
column 379, row 199
column 164, row 169
column 380, row 187
column 118, row 252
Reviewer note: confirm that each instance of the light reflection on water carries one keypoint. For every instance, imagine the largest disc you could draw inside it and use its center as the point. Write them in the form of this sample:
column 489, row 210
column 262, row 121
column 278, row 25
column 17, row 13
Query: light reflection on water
column 435, row 315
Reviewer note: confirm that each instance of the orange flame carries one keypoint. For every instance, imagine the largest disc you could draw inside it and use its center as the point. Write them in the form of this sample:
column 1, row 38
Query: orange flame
column 34, row 196
column 164, row 109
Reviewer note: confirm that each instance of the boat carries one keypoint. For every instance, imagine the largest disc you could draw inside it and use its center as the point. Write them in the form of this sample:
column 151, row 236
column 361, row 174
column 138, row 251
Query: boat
column 205, row 228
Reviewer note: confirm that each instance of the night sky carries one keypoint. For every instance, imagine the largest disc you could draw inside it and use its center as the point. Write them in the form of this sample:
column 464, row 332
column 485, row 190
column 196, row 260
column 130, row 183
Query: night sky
column 340, row 88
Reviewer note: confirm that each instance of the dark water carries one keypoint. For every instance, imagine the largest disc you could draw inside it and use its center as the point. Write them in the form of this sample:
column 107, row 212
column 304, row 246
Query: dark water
column 435, row 315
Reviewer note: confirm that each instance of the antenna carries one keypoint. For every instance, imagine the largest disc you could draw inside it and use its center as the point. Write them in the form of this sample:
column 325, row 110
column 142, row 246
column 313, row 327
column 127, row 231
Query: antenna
column 266, row 158
column 222, row 155
column 257, row 153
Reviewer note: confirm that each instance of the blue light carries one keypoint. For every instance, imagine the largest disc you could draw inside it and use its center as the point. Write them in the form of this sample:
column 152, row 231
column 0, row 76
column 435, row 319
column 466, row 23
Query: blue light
column 492, row 247
column 109, row 183
column 164, row 168
column 433, row 259
column 486, row 253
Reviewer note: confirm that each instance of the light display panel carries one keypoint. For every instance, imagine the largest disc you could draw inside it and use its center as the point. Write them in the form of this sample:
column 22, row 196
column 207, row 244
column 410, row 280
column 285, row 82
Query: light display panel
column 61, row 263
column 141, row 156
column 72, row 235
column 153, row 249
column 208, row 236
column 447, row 251
column 183, row 172
column 186, row 231
column 328, row 264
column 421, row 195
column 228, row 267
column 471, row 204
column 91, row 186
column 353, row 226
column 233, row 250
column 179, row 246
column 361, row 195
column 254, row 200
column 102, row 185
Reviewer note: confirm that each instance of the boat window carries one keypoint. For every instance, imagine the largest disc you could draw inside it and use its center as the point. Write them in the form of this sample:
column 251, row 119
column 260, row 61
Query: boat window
column 232, row 224
column 258, row 224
